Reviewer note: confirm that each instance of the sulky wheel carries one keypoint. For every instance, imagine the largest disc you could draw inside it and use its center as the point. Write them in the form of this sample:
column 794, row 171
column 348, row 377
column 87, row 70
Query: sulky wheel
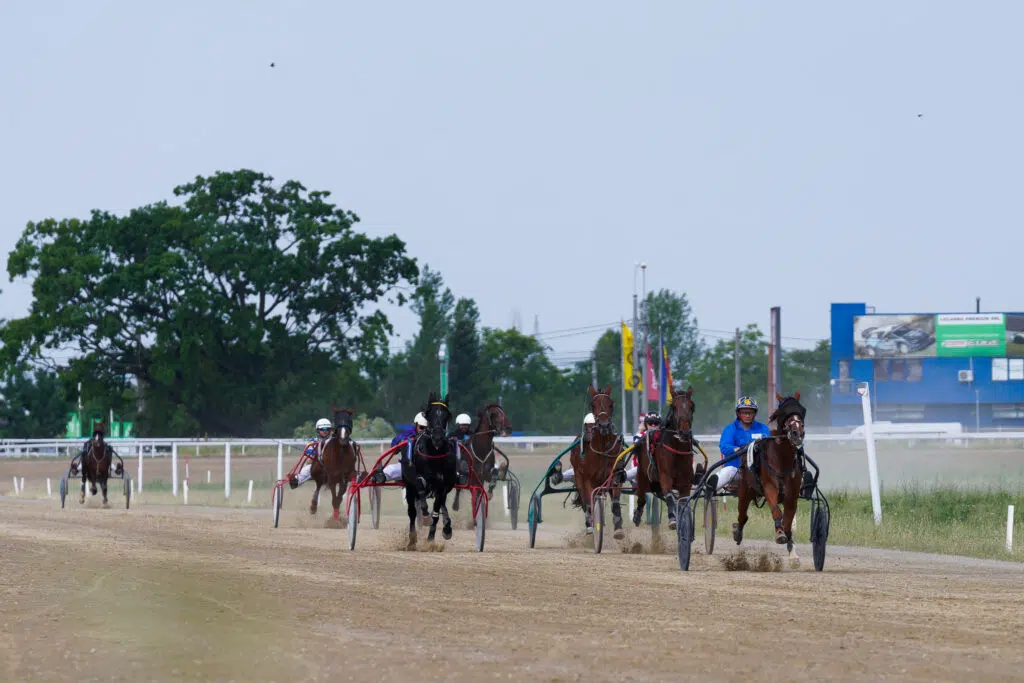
column 127, row 492
column 513, row 503
column 684, row 529
column 353, row 520
column 710, row 523
column 277, row 502
column 533, row 517
column 375, row 507
column 480, row 519
column 597, row 519
column 63, row 490
column 819, row 533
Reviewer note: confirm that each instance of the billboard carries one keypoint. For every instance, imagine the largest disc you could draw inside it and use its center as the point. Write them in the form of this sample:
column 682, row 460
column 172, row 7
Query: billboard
column 947, row 335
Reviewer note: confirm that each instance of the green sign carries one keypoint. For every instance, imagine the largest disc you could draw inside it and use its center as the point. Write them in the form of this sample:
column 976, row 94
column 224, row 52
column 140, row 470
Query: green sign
column 963, row 335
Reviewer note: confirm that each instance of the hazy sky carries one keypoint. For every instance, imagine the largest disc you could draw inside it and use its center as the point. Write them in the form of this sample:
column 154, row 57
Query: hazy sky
column 752, row 153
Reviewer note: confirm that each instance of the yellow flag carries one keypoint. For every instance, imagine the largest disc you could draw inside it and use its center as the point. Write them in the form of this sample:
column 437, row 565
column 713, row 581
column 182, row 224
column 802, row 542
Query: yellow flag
column 629, row 374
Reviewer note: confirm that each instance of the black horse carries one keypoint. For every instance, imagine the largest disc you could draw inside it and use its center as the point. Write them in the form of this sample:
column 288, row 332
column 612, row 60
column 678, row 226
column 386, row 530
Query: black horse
column 432, row 470
column 95, row 461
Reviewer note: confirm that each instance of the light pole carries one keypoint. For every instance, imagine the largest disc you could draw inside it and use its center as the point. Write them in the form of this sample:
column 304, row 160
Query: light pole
column 647, row 359
column 636, row 355
column 442, row 356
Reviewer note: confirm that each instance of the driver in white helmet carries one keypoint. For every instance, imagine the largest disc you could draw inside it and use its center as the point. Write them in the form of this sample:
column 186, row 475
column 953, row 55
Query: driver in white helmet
column 461, row 434
column 557, row 475
column 393, row 471
column 312, row 452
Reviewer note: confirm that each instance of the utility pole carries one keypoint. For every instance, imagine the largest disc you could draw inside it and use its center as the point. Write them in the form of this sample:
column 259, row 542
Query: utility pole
column 636, row 354
column 977, row 304
column 775, row 357
column 593, row 370
column 736, row 362
column 647, row 348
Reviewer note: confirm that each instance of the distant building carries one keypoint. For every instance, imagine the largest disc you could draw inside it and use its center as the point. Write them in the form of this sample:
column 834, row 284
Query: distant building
column 928, row 367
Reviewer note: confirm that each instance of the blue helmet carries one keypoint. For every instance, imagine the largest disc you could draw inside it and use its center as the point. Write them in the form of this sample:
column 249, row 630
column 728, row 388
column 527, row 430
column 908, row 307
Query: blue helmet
column 746, row 403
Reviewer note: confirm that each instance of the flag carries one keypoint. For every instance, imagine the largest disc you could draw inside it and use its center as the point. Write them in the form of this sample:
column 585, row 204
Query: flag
column 666, row 369
column 630, row 376
column 653, row 390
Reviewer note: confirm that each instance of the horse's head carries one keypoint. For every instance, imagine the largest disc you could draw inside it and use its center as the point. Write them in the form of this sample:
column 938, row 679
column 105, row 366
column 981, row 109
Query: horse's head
column 493, row 419
column 789, row 417
column 681, row 415
column 438, row 415
column 602, row 405
column 343, row 424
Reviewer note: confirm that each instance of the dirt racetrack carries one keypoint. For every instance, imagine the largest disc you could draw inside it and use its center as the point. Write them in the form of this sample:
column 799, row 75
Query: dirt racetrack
column 163, row 593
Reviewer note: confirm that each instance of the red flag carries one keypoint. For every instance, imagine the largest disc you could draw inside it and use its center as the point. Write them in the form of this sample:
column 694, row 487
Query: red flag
column 653, row 388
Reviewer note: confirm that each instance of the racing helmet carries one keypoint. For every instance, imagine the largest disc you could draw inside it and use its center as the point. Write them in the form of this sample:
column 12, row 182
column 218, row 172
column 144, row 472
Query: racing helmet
column 323, row 423
column 420, row 420
column 589, row 419
column 463, row 419
column 746, row 403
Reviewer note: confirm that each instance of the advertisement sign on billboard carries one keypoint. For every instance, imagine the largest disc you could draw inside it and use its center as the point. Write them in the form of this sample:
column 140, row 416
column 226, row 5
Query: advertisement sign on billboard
column 894, row 336
column 948, row 335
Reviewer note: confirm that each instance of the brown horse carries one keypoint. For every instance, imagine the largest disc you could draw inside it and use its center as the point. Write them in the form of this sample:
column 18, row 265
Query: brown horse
column 95, row 462
column 669, row 473
column 592, row 460
column 491, row 421
column 336, row 467
column 777, row 473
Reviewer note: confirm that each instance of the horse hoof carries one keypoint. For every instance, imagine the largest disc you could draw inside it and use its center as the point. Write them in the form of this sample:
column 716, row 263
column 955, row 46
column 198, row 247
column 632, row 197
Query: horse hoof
column 412, row 540
column 780, row 538
column 447, row 534
column 106, row 504
column 619, row 534
column 590, row 531
column 672, row 524
column 737, row 533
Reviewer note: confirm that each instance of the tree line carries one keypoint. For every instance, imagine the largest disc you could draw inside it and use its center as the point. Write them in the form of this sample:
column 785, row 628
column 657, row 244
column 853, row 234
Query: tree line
column 246, row 307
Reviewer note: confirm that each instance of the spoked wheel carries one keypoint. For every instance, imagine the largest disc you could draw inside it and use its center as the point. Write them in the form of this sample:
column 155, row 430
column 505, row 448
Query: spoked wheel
column 353, row 520
column 481, row 522
column 533, row 517
column 597, row 519
column 63, row 490
column 653, row 510
column 684, row 520
column 513, row 503
column 127, row 492
column 819, row 533
column 375, row 507
column 710, row 523
column 276, row 503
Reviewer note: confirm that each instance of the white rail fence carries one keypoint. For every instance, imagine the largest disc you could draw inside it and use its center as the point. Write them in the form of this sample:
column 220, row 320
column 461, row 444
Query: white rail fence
column 138, row 448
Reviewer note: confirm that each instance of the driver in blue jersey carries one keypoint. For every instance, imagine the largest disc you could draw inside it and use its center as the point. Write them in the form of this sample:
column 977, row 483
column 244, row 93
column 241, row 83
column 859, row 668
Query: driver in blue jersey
column 736, row 437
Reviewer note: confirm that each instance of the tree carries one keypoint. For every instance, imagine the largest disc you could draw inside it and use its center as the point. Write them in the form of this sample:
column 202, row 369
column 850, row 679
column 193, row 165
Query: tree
column 713, row 379
column 671, row 317
column 808, row 370
column 222, row 308
column 32, row 404
column 465, row 379
column 413, row 373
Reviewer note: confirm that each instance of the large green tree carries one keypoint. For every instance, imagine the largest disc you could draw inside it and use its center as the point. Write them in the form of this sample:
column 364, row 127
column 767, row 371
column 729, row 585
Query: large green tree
column 224, row 307
column 713, row 379
column 465, row 378
column 671, row 317
column 807, row 371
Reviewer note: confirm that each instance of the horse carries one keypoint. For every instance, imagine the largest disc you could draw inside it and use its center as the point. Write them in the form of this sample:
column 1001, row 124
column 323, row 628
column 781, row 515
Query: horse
column 491, row 421
column 95, row 464
column 433, row 468
column 665, row 460
column 777, row 473
column 337, row 464
column 592, row 460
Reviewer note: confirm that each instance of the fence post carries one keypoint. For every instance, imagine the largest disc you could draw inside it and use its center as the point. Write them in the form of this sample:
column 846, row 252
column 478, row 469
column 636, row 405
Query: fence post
column 869, row 438
column 280, row 460
column 1009, row 529
column 227, row 470
column 138, row 445
column 174, row 470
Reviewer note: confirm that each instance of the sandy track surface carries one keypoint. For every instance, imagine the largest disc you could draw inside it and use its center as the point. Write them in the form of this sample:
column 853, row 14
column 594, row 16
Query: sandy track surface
column 187, row 594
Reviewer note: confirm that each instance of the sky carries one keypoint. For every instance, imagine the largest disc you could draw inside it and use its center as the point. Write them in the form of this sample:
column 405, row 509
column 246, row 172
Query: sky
column 752, row 154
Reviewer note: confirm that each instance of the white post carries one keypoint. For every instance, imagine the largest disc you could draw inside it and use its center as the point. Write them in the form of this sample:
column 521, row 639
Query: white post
column 209, row 477
column 249, row 500
column 504, row 494
column 184, row 491
column 174, row 470
column 1009, row 529
column 227, row 471
column 280, row 460
column 632, row 505
column 23, row 485
column 49, row 491
column 869, row 438
column 138, row 445
column 15, row 486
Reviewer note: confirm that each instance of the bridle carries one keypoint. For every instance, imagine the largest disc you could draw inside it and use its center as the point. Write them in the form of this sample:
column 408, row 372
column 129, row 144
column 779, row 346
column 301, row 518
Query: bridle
column 599, row 415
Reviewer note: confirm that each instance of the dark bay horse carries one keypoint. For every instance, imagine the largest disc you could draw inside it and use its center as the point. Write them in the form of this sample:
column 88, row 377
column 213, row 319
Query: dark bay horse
column 665, row 459
column 592, row 460
column 95, row 464
column 338, row 462
column 491, row 421
column 433, row 468
column 778, row 471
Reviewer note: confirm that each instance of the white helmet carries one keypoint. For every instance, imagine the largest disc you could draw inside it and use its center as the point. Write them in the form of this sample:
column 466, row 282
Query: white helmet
column 463, row 419
column 323, row 423
column 589, row 419
column 420, row 420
